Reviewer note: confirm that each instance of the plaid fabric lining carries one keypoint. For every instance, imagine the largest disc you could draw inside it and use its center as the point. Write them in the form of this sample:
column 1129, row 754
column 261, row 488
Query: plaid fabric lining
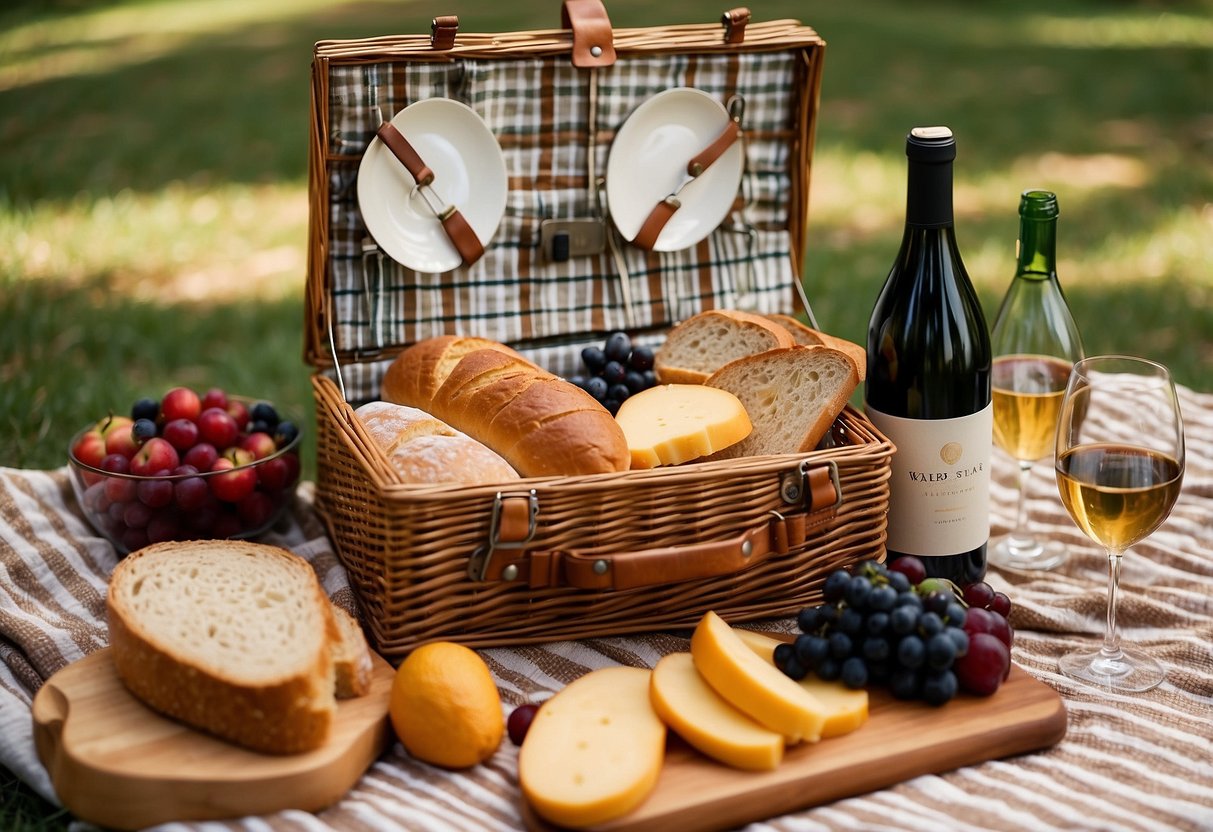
column 538, row 111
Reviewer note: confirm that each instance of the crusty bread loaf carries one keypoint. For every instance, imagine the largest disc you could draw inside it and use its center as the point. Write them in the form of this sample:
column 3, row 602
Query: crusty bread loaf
column 419, row 371
column 807, row 336
column 423, row 449
column 704, row 343
column 542, row 424
column 233, row 638
column 351, row 657
column 792, row 395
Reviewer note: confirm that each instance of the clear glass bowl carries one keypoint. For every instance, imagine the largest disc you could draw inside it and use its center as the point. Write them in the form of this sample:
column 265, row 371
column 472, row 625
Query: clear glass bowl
column 131, row 511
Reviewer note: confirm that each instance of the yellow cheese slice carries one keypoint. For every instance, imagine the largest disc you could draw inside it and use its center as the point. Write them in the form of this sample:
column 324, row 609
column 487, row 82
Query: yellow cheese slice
column 752, row 685
column 846, row 709
column 675, row 423
column 688, row 705
column 595, row 749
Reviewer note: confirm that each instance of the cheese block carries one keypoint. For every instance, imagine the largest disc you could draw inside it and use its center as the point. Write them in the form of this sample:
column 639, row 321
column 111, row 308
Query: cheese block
column 752, row 685
column 676, row 423
column 689, row 706
column 594, row 750
column 846, row 709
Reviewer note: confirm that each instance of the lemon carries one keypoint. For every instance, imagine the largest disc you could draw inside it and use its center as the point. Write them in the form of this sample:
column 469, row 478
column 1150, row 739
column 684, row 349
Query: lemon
column 445, row 707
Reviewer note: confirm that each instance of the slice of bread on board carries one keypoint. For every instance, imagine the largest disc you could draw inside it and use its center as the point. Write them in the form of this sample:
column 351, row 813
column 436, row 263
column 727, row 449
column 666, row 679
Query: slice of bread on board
column 806, row 336
column 351, row 657
column 792, row 395
column 704, row 343
column 233, row 638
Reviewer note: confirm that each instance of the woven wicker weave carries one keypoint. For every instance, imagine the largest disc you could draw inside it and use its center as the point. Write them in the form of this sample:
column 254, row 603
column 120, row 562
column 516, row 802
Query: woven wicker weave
column 415, row 553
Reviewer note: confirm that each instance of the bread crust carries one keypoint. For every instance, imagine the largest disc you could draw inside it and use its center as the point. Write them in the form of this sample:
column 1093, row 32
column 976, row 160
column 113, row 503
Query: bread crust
column 417, row 373
column 351, row 658
column 286, row 715
column 807, row 336
column 542, row 424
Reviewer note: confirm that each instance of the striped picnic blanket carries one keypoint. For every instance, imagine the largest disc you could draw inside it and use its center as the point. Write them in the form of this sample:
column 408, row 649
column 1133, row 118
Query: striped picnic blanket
column 1140, row 762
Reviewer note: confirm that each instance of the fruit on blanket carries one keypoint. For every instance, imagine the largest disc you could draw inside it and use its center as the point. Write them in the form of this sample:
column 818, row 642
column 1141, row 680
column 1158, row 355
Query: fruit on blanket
column 520, row 721
column 445, row 707
column 751, row 685
column 162, row 459
column 594, row 750
column 846, row 709
column 689, row 706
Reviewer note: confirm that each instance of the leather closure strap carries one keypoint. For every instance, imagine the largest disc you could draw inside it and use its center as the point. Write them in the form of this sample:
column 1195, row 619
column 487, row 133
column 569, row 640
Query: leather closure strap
column 593, row 40
column 663, row 211
column 443, row 30
column 734, row 22
column 456, row 226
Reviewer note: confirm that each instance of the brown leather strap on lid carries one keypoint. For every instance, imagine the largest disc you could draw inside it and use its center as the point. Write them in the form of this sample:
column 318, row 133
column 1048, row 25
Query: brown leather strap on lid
column 462, row 236
column 443, row 30
column 734, row 22
column 657, row 219
column 593, row 41
column 402, row 150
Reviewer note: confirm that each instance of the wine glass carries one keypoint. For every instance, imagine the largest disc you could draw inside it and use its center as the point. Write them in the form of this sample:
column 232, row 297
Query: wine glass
column 1120, row 464
column 1034, row 342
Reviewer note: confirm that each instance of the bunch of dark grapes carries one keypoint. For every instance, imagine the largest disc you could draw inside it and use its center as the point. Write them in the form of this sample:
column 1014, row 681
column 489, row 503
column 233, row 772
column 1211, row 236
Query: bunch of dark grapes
column 615, row 371
column 893, row 627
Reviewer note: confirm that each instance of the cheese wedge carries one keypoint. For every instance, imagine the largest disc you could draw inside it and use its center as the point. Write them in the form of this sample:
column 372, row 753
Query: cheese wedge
column 689, row 706
column 675, row 423
column 752, row 685
column 846, row 709
column 595, row 749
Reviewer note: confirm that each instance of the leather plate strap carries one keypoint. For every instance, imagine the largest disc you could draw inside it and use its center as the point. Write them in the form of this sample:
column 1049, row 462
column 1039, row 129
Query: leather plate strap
column 593, row 40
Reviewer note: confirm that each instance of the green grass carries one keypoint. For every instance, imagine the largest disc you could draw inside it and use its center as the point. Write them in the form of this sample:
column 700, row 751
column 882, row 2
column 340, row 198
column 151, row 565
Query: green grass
column 153, row 215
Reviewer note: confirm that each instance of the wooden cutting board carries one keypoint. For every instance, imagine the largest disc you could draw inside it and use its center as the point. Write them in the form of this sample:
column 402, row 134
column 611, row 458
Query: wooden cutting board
column 117, row 763
column 899, row 741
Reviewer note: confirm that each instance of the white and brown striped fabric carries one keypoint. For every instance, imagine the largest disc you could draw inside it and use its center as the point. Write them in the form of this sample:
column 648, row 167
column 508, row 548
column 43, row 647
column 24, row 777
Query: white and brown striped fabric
column 1140, row 762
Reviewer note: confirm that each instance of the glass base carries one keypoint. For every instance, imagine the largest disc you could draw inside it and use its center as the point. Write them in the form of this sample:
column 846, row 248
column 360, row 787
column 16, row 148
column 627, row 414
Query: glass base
column 1129, row 672
column 1026, row 553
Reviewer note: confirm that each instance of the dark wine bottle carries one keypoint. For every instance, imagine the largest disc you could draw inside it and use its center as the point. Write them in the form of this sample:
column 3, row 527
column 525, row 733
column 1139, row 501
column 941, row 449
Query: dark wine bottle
column 928, row 382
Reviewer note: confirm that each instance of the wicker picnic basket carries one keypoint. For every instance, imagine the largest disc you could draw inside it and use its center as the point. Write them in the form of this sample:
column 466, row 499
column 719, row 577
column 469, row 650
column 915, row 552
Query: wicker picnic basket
column 588, row 556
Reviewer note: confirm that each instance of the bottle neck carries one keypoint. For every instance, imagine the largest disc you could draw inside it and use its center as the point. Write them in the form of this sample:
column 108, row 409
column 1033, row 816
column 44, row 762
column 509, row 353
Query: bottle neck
column 1037, row 247
column 929, row 195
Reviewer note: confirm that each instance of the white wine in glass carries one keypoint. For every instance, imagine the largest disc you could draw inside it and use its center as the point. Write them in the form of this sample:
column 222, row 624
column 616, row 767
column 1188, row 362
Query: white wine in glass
column 1120, row 465
column 1035, row 343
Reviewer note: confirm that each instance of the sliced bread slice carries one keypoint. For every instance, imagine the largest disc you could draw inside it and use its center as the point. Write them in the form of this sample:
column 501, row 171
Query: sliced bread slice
column 792, row 396
column 233, row 638
column 807, row 336
column 704, row 343
column 351, row 657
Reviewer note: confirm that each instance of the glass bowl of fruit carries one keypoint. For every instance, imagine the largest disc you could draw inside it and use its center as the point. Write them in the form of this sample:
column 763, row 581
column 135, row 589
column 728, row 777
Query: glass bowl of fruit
column 186, row 467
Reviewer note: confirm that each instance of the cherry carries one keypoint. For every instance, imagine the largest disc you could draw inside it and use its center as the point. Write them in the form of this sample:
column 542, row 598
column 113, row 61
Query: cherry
column 520, row 721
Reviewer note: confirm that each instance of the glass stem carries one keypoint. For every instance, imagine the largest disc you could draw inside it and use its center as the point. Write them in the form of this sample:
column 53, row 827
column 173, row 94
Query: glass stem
column 1111, row 639
column 1021, row 534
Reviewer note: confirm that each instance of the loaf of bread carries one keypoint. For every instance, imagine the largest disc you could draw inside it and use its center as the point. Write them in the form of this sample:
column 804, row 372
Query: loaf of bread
column 792, row 396
column 426, row 450
column 704, row 343
column 417, row 373
column 233, row 638
column 807, row 336
column 542, row 424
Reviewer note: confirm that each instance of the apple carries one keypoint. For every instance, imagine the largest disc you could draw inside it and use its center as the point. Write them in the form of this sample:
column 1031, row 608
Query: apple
column 180, row 403
column 256, row 509
column 137, row 515
column 182, row 434
column 157, row 454
column 202, row 456
column 233, row 483
column 119, row 438
column 191, row 493
column 217, row 427
column 259, row 444
column 90, row 448
column 274, row 474
column 155, row 493
column 215, row 397
column 238, row 410
column 115, row 464
column 238, row 456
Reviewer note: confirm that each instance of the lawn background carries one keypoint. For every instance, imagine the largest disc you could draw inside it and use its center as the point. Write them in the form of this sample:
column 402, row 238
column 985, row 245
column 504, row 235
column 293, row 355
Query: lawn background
column 153, row 212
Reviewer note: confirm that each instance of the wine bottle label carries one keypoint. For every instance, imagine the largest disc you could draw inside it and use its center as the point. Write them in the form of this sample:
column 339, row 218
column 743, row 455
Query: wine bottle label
column 939, row 500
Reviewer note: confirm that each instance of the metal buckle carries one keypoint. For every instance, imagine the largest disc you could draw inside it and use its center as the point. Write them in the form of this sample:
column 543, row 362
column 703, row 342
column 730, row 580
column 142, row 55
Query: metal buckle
column 793, row 487
column 478, row 564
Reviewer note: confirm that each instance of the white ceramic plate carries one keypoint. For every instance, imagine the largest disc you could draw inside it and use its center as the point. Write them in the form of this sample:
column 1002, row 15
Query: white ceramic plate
column 648, row 160
column 469, row 173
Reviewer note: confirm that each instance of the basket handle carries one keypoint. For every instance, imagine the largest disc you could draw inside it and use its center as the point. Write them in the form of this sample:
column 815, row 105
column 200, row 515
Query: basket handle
column 775, row 535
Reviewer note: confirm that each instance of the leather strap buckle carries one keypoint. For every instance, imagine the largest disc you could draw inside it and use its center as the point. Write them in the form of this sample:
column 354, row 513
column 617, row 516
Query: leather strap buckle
column 734, row 22
column 593, row 39
column 512, row 525
column 442, row 31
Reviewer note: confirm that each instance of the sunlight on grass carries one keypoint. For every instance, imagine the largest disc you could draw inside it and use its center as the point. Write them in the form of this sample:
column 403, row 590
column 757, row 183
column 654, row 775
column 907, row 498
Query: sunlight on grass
column 104, row 39
column 183, row 243
column 1123, row 31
